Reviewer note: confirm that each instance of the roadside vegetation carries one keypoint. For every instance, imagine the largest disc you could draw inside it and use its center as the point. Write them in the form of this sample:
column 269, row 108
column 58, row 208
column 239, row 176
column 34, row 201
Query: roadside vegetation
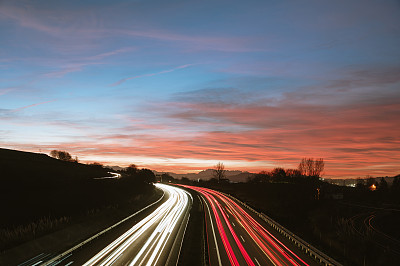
column 40, row 194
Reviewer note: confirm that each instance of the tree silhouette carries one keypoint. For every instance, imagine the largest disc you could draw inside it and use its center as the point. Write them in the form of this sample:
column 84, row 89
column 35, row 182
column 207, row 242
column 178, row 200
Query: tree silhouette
column 146, row 176
column 219, row 171
column 63, row 156
column 131, row 170
column 293, row 173
column 310, row 167
column 278, row 174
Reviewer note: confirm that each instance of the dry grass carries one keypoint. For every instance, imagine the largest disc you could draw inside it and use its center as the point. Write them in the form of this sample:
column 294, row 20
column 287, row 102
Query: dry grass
column 12, row 236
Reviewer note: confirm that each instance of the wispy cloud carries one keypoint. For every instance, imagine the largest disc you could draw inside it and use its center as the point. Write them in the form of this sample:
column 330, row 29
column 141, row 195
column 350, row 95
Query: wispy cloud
column 197, row 42
column 29, row 106
column 71, row 28
column 80, row 63
column 69, row 68
column 151, row 74
column 110, row 53
column 6, row 90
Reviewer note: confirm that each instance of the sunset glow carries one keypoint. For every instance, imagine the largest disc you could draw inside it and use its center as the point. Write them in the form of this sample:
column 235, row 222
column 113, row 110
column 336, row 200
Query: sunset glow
column 181, row 86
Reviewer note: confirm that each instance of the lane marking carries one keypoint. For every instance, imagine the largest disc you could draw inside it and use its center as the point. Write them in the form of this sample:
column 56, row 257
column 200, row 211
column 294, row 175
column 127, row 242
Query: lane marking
column 233, row 224
column 242, row 238
column 257, row 261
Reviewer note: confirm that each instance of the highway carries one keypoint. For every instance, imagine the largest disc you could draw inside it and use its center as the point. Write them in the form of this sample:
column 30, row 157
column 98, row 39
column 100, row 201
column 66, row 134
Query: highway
column 154, row 240
column 235, row 238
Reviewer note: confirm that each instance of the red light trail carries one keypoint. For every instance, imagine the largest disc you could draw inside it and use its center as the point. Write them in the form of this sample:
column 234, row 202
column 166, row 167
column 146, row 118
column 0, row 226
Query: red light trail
column 262, row 242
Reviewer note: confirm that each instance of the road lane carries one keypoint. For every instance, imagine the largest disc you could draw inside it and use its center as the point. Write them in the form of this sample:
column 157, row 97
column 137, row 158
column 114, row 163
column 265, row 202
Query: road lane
column 236, row 238
column 152, row 241
column 155, row 239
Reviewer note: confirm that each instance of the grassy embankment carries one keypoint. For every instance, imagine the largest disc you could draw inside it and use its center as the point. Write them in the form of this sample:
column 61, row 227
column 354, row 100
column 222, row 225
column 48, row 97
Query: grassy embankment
column 40, row 194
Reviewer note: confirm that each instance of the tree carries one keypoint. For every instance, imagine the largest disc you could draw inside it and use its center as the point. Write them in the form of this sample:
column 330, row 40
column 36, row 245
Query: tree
column 146, row 176
column 131, row 170
column 54, row 153
column 310, row 167
column 293, row 173
column 319, row 166
column 63, row 156
column 219, row 171
column 278, row 174
column 303, row 166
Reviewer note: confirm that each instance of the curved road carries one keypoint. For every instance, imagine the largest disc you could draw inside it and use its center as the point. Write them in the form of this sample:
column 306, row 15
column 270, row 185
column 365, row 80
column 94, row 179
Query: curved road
column 236, row 238
column 154, row 240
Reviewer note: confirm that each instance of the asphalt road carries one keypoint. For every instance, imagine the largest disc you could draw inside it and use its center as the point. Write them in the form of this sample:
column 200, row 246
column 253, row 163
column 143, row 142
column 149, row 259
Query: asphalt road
column 155, row 240
column 234, row 236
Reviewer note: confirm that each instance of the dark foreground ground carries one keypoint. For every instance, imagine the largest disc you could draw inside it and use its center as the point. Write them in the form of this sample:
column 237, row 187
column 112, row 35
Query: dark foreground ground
column 40, row 195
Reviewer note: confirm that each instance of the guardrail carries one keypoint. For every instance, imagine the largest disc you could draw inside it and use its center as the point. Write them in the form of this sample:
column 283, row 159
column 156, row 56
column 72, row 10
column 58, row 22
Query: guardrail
column 306, row 247
column 99, row 234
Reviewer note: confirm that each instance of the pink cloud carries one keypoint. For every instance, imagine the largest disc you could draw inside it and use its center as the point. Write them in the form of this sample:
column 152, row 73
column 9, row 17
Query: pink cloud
column 355, row 138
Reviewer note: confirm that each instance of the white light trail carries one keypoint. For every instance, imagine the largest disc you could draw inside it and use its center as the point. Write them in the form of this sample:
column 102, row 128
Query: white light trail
column 166, row 218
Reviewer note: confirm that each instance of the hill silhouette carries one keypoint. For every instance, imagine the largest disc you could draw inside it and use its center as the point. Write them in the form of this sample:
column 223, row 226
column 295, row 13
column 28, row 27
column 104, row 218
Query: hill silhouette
column 27, row 165
column 232, row 175
column 37, row 190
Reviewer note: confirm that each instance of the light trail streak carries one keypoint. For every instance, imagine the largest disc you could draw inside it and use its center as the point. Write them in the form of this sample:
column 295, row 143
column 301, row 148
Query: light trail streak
column 274, row 250
column 215, row 238
column 160, row 224
column 228, row 248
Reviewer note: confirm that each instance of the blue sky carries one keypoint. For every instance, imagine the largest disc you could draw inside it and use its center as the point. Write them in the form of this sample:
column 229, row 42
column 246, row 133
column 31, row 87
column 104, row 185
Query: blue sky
column 181, row 85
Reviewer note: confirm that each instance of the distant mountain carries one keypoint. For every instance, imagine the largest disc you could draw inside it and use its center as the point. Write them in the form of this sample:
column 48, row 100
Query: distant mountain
column 233, row 175
column 116, row 168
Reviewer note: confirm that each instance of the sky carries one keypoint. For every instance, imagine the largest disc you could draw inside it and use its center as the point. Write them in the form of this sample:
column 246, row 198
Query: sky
column 181, row 85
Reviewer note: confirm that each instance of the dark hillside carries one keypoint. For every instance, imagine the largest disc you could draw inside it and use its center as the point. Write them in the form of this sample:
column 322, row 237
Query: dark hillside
column 27, row 165
column 38, row 193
